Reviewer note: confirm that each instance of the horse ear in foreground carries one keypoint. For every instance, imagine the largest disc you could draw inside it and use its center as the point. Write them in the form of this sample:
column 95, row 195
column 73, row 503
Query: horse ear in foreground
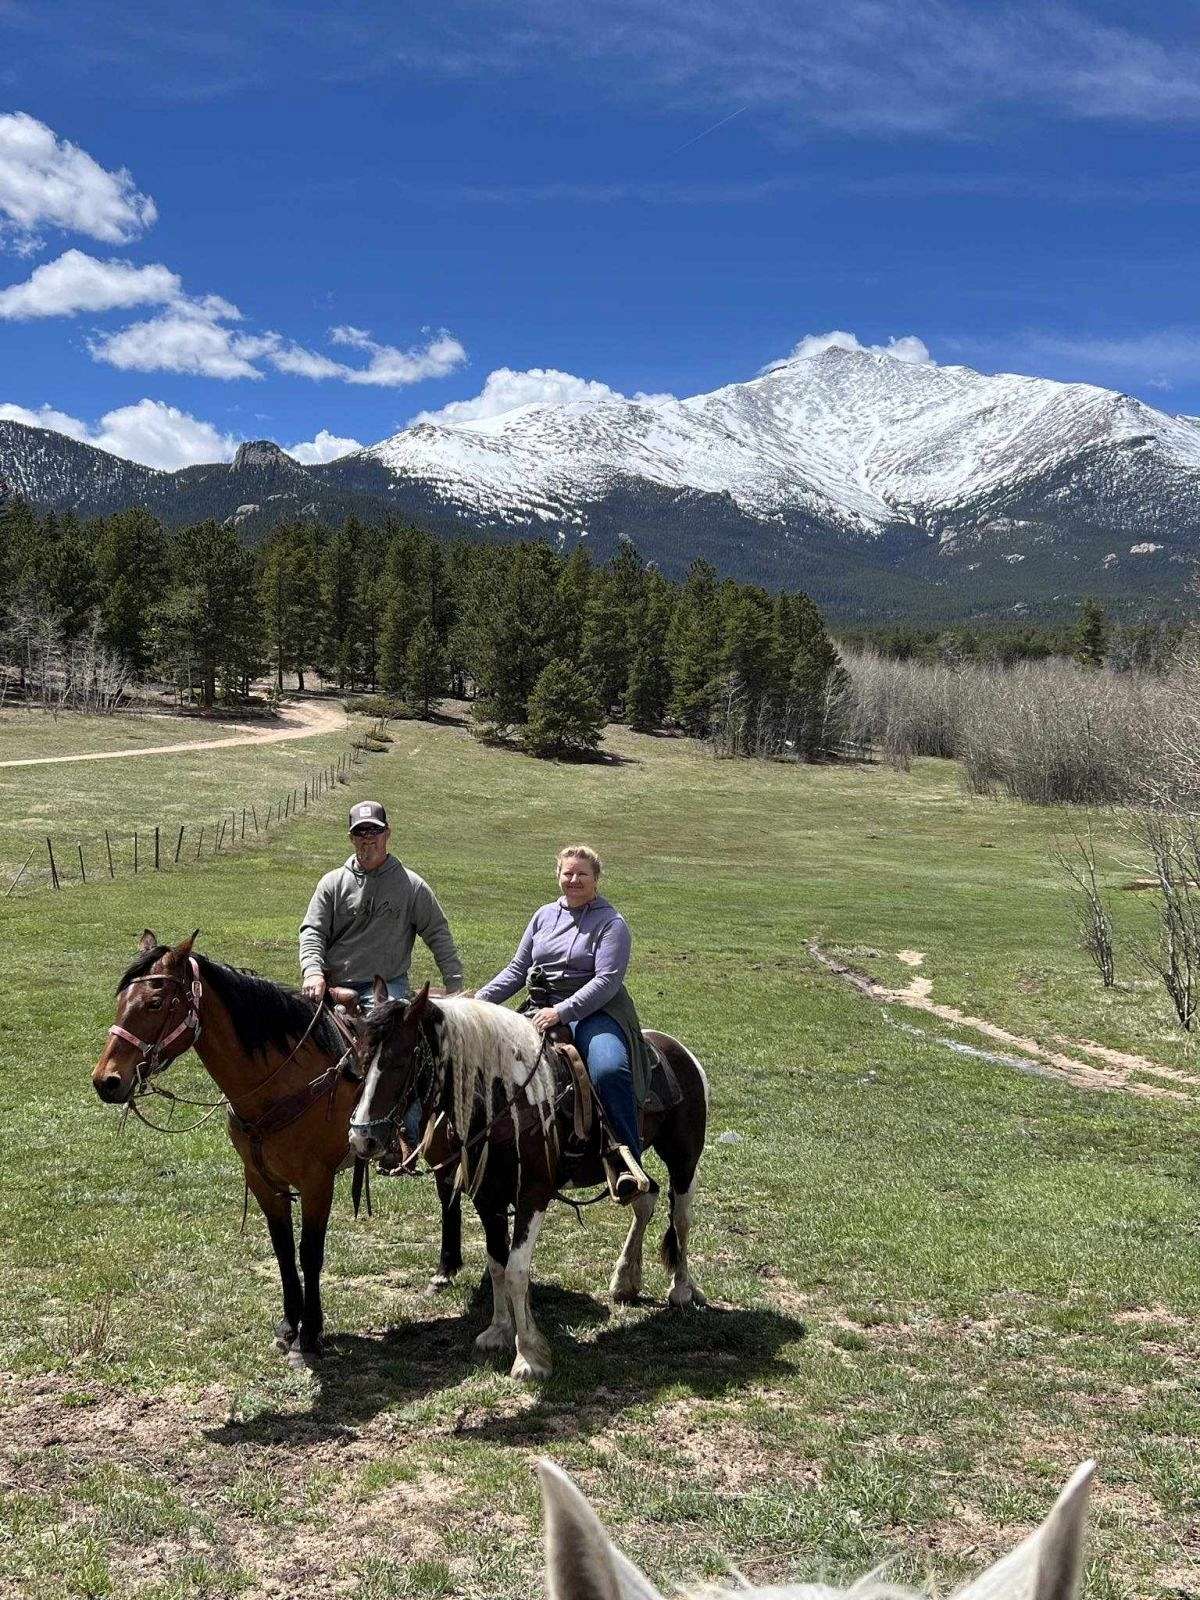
column 582, row 1563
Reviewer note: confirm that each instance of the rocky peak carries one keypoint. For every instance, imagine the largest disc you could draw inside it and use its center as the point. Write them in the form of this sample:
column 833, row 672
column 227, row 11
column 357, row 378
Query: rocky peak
column 259, row 453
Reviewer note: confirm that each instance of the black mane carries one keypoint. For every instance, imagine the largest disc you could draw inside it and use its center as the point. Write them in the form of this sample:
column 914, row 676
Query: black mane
column 262, row 1011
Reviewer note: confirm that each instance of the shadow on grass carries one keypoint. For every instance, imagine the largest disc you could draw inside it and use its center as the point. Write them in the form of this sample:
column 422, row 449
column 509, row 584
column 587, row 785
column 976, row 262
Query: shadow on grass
column 614, row 1365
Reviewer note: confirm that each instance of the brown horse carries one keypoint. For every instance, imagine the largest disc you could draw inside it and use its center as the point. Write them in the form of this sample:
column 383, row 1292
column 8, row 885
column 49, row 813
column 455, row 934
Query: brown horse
column 492, row 1096
column 276, row 1060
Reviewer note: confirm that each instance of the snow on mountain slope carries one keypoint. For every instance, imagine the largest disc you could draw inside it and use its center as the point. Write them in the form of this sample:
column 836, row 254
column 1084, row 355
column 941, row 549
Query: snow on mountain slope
column 854, row 435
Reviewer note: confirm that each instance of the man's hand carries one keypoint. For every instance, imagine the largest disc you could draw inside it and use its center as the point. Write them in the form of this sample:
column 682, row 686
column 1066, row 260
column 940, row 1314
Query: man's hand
column 545, row 1019
column 314, row 987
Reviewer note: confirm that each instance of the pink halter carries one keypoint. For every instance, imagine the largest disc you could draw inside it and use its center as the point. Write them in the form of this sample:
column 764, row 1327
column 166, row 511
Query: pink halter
column 152, row 1052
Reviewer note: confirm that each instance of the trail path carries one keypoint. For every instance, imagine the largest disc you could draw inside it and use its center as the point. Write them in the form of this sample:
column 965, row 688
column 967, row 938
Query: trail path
column 1121, row 1070
column 303, row 721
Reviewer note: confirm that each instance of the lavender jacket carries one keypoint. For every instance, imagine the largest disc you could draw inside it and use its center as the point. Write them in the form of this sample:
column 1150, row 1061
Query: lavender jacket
column 584, row 955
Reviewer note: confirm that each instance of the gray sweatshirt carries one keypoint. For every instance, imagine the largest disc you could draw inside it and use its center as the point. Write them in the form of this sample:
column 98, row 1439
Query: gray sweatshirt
column 362, row 923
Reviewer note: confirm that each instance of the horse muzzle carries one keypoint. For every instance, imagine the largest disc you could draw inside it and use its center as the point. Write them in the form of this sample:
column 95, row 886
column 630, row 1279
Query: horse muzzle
column 111, row 1084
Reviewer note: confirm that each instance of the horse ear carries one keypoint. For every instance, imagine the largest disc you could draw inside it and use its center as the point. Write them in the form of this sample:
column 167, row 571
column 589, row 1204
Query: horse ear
column 416, row 1008
column 184, row 948
column 379, row 990
column 1046, row 1566
column 148, row 941
column 582, row 1563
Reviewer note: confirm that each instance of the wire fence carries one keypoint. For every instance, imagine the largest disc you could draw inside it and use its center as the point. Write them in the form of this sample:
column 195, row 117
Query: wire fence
column 57, row 863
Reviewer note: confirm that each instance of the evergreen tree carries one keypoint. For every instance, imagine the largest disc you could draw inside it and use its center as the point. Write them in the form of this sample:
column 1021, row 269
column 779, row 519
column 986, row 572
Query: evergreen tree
column 565, row 718
column 1091, row 634
column 339, row 599
column 425, row 671
column 285, row 591
column 131, row 569
column 571, row 594
column 692, row 649
column 516, row 625
column 211, row 623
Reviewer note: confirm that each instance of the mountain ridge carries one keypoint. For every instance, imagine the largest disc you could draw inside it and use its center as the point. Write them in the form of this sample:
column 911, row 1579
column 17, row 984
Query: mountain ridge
column 886, row 488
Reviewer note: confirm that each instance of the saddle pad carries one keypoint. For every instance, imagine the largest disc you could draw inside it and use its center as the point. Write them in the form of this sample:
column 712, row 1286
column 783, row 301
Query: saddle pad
column 664, row 1092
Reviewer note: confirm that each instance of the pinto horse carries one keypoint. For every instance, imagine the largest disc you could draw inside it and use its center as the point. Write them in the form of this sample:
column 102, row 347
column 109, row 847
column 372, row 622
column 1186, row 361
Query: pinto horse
column 276, row 1059
column 492, row 1098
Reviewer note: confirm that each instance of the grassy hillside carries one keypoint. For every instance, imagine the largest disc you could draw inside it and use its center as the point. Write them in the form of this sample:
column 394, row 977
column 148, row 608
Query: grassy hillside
column 936, row 1281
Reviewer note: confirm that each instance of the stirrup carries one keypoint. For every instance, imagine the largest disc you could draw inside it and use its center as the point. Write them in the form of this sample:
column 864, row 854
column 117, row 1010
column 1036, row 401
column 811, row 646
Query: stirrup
column 621, row 1168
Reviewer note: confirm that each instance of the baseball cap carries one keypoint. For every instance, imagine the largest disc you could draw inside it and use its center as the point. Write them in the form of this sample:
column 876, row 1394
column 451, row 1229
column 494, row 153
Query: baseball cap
column 367, row 814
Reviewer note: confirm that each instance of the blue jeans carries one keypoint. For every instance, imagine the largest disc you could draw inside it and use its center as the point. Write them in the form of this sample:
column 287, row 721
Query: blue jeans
column 397, row 990
column 601, row 1043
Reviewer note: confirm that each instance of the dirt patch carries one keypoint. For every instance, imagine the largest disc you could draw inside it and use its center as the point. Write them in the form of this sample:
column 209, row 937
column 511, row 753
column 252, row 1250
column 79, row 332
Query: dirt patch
column 1120, row 1071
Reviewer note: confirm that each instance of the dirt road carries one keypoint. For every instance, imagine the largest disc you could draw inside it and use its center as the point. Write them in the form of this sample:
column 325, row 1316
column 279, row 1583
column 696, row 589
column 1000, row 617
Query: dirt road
column 303, row 720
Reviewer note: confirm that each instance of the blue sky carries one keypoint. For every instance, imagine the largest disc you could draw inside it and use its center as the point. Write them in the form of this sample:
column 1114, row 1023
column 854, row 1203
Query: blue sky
column 313, row 221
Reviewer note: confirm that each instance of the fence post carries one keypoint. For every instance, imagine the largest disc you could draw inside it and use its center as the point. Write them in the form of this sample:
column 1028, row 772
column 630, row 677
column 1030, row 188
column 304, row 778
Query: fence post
column 20, row 874
column 53, row 868
column 306, row 794
column 243, row 824
column 135, row 852
column 220, row 835
column 108, row 847
column 179, row 841
column 156, row 847
column 200, row 842
column 82, row 868
column 254, row 817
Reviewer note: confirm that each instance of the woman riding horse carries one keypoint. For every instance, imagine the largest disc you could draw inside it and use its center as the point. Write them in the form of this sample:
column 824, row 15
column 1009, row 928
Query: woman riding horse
column 581, row 943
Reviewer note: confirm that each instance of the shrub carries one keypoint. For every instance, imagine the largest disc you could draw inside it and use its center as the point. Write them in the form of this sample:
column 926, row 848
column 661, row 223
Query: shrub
column 565, row 718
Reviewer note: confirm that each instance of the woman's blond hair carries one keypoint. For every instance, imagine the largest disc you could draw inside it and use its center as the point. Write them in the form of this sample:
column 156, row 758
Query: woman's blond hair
column 584, row 852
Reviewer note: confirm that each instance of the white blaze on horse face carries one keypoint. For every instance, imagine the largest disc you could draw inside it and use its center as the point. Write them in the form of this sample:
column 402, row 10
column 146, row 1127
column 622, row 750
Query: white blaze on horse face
column 360, row 1123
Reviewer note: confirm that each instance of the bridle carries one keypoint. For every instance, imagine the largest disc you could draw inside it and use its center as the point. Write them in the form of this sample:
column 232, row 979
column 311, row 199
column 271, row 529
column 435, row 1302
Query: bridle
column 153, row 1058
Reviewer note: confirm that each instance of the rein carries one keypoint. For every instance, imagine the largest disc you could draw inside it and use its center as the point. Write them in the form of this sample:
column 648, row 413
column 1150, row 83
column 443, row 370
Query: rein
column 151, row 1063
column 476, row 1139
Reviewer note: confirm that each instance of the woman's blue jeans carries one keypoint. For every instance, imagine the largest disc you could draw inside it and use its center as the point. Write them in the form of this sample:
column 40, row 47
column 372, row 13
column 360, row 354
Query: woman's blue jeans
column 601, row 1043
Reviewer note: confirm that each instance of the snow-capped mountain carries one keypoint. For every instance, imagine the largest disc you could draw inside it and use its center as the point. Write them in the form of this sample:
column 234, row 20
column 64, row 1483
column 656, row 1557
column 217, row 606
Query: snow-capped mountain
column 849, row 435
column 882, row 486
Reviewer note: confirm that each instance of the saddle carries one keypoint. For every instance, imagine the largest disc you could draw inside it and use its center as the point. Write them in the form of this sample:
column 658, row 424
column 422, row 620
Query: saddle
column 662, row 1094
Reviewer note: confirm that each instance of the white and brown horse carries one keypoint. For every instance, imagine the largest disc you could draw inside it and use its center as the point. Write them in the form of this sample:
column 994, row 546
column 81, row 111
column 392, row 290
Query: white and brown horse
column 492, row 1099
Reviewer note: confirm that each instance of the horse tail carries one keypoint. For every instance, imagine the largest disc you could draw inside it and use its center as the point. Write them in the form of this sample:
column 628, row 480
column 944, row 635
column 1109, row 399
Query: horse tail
column 668, row 1252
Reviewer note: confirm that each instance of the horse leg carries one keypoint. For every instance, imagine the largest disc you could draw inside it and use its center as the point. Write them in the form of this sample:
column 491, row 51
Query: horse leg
column 626, row 1282
column 277, row 1210
column 533, row 1353
column 315, row 1204
column 497, row 1337
column 450, row 1259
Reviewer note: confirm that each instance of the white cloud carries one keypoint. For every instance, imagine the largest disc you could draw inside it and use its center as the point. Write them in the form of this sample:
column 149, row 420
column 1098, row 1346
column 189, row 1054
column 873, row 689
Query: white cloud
column 506, row 390
column 184, row 339
column 191, row 336
column 78, row 282
column 155, row 434
column 325, row 447
column 47, row 182
column 908, row 348
column 392, row 368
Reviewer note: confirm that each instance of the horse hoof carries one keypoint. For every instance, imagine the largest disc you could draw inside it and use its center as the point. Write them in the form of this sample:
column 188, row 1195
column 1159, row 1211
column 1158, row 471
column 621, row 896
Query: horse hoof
column 625, row 1292
column 285, row 1336
column 527, row 1371
column 438, row 1284
column 303, row 1360
column 495, row 1341
column 683, row 1295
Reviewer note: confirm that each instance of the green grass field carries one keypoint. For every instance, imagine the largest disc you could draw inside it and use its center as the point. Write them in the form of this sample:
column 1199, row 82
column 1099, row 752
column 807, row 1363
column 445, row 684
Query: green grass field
column 936, row 1282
